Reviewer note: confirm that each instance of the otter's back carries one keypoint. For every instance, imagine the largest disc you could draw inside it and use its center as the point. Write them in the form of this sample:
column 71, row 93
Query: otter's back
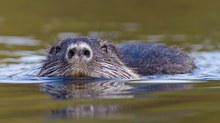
column 154, row 58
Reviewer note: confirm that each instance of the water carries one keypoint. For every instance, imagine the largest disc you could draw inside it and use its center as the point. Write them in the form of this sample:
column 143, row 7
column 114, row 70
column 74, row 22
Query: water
column 27, row 28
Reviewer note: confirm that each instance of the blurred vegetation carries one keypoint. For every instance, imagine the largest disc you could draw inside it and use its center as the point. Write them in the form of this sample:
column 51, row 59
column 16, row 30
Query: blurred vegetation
column 198, row 20
column 29, row 17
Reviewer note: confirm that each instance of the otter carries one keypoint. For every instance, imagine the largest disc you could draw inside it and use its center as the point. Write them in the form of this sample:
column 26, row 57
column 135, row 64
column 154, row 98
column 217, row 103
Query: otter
column 91, row 57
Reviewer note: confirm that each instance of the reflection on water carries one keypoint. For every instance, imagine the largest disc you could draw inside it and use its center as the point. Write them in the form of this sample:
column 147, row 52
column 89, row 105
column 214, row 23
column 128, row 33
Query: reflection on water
column 84, row 111
column 92, row 89
column 100, row 89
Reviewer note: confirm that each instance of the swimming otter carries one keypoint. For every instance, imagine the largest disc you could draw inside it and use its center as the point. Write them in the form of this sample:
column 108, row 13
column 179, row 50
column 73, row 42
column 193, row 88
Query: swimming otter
column 90, row 57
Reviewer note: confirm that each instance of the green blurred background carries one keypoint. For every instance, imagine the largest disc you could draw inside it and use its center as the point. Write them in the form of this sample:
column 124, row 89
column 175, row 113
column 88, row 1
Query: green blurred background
column 191, row 21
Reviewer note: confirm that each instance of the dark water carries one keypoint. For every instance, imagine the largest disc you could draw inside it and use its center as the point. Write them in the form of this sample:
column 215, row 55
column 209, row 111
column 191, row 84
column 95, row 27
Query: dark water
column 29, row 27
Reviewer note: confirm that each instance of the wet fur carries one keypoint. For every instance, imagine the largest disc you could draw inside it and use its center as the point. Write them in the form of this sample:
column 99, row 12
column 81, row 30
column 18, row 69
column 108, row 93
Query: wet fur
column 155, row 58
column 122, row 61
column 104, row 64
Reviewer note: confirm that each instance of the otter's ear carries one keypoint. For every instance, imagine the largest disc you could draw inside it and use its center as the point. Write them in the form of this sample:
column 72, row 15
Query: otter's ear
column 108, row 47
column 104, row 46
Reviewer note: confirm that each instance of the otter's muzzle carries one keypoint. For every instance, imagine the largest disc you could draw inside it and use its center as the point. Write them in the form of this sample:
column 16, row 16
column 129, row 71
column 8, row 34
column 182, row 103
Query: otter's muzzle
column 78, row 52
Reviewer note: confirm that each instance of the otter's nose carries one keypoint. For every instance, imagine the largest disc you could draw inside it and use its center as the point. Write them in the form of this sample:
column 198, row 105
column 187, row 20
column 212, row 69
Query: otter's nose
column 78, row 52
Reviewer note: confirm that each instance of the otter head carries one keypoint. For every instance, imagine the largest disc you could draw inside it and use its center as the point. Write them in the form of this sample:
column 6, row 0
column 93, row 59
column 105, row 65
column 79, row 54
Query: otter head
column 85, row 57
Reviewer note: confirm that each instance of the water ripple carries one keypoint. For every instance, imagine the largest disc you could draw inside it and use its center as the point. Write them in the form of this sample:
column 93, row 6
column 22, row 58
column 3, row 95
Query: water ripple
column 15, row 40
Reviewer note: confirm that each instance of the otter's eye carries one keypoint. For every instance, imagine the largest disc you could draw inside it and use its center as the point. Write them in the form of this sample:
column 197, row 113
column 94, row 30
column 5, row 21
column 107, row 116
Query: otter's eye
column 55, row 50
column 104, row 48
